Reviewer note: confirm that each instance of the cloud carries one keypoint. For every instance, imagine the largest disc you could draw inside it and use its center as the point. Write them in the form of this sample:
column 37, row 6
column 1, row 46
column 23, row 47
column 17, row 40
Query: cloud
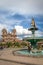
column 17, row 16
column 23, row 6
column 38, row 34
column 20, row 30
column 23, row 33
column 10, row 19
column 6, row 20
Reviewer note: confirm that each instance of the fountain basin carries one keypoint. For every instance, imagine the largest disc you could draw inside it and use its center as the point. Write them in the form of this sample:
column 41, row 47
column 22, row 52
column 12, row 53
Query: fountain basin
column 25, row 52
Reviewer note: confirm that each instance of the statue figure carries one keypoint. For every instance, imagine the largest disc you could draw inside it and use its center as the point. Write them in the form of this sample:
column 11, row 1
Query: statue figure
column 29, row 47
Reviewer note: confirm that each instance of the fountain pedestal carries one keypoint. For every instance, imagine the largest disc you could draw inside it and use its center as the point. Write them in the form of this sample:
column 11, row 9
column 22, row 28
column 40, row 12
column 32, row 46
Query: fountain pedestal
column 33, row 29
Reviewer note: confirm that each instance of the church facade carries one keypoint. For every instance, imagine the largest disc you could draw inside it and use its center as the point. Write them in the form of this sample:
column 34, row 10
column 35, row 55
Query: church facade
column 8, row 37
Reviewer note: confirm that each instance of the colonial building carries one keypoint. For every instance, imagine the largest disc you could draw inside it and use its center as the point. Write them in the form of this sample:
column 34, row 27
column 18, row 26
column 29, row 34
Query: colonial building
column 8, row 37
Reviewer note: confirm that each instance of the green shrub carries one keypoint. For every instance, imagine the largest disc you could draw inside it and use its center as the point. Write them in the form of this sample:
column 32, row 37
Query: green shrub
column 23, row 44
column 17, row 44
column 1, row 44
column 9, row 44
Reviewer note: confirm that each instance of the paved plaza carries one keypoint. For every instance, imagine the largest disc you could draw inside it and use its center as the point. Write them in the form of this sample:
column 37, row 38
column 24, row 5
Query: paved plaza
column 7, row 58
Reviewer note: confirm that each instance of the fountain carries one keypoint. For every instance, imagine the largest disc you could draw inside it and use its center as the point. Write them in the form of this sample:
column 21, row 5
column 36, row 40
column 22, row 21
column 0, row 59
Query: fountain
column 31, row 51
column 33, row 29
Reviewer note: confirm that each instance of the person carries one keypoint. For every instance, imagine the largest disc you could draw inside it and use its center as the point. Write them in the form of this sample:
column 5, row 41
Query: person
column 1, row 47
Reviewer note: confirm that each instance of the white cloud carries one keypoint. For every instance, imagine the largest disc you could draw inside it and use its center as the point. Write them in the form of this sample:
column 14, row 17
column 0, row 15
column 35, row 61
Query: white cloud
column 19, row 37
column 38, row 34
column 21, row 30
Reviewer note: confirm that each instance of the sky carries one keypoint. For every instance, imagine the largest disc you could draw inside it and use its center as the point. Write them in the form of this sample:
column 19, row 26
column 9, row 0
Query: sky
column 18, row 14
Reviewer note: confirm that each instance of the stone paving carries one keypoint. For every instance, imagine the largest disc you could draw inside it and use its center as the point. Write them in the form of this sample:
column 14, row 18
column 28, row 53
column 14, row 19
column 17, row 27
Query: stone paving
column 7, row 58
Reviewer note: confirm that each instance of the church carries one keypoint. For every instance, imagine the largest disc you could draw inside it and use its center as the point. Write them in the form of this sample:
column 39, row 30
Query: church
column 9, row 37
